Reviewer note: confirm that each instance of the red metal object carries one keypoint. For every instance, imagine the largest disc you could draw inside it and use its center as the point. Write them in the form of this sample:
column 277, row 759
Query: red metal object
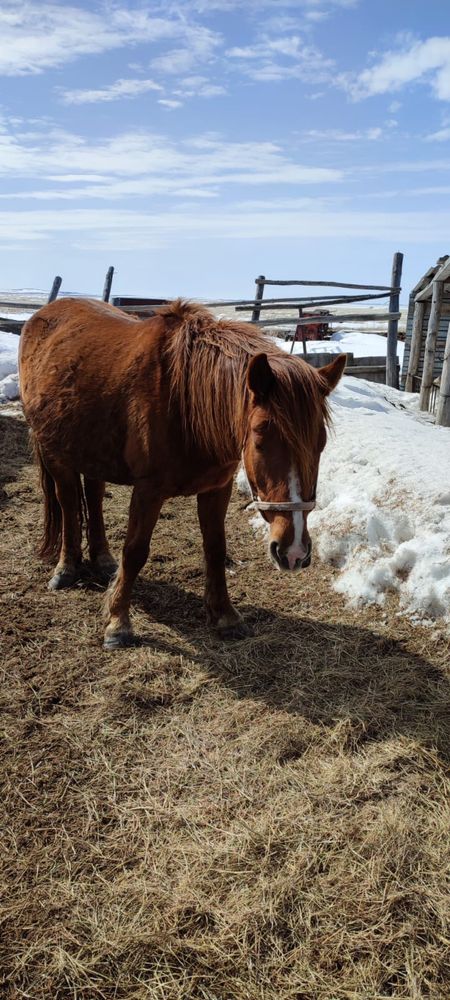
column 315, row 330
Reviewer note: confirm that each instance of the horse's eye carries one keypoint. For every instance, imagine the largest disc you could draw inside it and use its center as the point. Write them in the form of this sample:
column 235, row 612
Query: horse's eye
column 261, row 427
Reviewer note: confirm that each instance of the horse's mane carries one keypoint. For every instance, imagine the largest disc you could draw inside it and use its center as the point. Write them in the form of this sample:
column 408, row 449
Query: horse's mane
column 208, row 360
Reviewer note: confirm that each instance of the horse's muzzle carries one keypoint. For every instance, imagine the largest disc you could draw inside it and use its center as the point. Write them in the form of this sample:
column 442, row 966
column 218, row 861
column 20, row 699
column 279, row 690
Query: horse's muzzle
column 279, row 557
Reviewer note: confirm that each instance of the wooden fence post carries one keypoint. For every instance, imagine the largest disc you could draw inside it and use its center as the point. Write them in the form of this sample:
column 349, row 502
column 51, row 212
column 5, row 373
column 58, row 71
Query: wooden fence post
column 430, row 344
column 258, row 297
column 394, row 300
column 107, row 285
column 443, row 407
column 57, row 282
column 416, row 343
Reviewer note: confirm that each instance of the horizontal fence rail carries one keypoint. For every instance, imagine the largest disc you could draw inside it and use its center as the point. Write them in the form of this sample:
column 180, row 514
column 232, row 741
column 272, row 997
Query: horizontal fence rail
column 330, row 284
column 329, row 318
column 322, row 300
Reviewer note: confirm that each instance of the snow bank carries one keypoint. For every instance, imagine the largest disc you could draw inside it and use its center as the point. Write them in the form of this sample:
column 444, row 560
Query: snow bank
column 383, row 502
column 9, row 377
column 383, row 514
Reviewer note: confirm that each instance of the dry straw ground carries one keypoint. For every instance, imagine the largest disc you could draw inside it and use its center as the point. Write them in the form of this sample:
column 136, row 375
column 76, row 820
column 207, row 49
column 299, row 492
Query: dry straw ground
column 266, row 820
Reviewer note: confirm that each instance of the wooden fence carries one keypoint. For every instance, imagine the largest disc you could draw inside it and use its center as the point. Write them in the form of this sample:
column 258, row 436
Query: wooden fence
column 11, row 325
column 323, row 302
column 259, row 307
column 379, row 369
column 426, row 363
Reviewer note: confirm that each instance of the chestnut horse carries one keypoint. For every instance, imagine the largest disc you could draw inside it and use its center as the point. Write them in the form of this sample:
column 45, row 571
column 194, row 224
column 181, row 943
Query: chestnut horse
column 168, row 405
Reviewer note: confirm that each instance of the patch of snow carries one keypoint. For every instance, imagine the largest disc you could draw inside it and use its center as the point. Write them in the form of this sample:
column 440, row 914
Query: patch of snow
column 13, row 313
column 383, row 515
column 9, row 378
column 242, row 483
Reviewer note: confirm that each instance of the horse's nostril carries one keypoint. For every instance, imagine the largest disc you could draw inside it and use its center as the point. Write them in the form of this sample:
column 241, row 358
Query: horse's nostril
column 278, row 555
column 274, row 550
column 307, row 560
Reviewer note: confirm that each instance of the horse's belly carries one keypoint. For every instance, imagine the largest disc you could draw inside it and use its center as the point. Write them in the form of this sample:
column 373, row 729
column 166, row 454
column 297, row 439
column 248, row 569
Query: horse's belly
column 91, row 442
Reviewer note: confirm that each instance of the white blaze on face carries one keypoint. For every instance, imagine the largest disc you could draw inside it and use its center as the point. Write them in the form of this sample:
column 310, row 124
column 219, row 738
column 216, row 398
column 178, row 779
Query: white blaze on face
column 297, row 550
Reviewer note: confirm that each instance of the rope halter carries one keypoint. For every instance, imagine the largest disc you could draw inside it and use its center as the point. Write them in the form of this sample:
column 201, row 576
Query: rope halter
column 288, row 506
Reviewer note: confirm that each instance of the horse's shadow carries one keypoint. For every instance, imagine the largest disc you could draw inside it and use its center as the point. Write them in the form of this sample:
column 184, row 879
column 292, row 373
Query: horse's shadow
column 324, row 672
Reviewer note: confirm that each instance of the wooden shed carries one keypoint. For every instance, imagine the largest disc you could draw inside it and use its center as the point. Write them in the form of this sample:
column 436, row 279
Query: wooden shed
column 427, row 328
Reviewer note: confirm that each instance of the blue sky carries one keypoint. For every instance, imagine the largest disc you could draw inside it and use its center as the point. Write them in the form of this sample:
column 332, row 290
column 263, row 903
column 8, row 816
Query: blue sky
column 197, row 143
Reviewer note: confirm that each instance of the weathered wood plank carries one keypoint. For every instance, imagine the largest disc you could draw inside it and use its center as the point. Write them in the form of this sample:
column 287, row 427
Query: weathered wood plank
column 57, row 282
column 108, row 282
column 268, row 303
column 325, row 300
column 372, row 368
column 10, row 325
column 416, row 341
column 23, row 306
column 392, row 334
column 329, row 318
column 443, row 405
column 431, row 273
column 260, row 282
column 332, row 284
column 430, row 345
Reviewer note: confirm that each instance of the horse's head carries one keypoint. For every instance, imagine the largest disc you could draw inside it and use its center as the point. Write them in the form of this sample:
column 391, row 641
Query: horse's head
column 286, row 433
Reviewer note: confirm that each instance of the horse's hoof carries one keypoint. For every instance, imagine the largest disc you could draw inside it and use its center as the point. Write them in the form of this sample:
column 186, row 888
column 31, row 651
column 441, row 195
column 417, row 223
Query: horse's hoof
column 120, row 640
column 237, row 630
column 61, row 581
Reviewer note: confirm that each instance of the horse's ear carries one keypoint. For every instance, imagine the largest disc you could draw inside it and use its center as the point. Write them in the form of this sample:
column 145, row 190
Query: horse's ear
column 260, row 377
column 332, row 373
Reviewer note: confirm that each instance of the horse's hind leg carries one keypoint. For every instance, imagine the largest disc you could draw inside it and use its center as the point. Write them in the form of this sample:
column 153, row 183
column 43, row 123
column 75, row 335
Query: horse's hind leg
column 144, row 513
column 103, row 562
column 68, row 493
column 212, row 508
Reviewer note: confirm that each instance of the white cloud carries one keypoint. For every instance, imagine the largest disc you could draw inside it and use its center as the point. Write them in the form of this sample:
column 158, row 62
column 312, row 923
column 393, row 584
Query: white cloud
column 340, row 135
column 410, row 166
column 114, row 92
column 315, row 9
column 285, row 57
column 139, row 230
column 36, row 36
column 201, row 46
column 170, row 103
column 144, row 163
column 199, row 86
column 442, row 135
column 414, row 61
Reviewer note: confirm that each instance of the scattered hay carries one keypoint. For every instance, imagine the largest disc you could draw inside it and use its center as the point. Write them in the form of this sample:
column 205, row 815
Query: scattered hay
column 266, row 820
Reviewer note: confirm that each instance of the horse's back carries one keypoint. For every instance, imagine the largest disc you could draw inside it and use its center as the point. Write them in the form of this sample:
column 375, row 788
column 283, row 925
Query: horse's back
column 84, row 373
column 68, row 325
column 80, row 342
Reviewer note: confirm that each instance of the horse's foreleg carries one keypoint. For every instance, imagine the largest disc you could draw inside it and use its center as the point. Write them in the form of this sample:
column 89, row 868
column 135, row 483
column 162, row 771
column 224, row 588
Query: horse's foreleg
column 144, row 513
column 100, row 555
column 212, row 508
column 67, row 572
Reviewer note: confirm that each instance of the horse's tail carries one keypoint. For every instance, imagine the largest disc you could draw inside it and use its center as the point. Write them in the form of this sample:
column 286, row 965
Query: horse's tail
column 50, row 545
